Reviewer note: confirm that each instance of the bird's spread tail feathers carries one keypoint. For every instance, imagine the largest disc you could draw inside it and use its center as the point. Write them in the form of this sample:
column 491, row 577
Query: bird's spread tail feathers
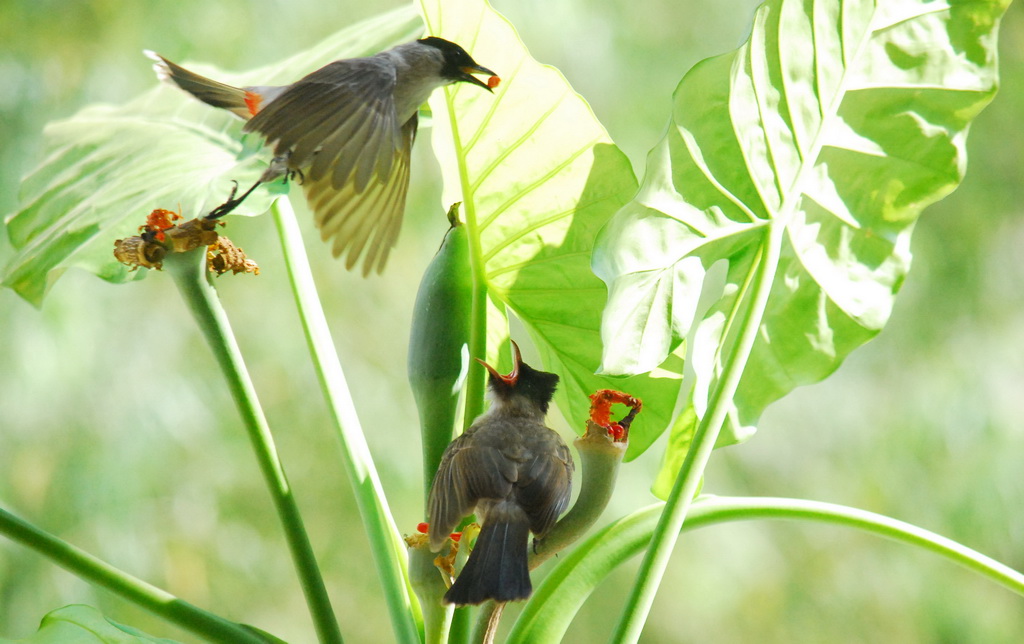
column 238, row 100
column 497, row 567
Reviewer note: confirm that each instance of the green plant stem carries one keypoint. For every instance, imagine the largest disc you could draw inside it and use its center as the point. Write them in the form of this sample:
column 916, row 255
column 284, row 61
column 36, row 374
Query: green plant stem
column 389, row 550
column 155, row 600
column 652, row 569
column 462, row 625
column 462, row 620
column 484, row 614
column 475, row 376
column 430, row 588
column 547, row 616
column 476, row 384
column 438, row 341
column 437, row 367
column 190, row 275
column 712, row 510
column 461, row 630
column 476, row 380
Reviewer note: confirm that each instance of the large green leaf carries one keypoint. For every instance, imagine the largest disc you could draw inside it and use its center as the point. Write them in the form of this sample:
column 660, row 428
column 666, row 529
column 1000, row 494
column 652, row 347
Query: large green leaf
column 538, row 177
column 78, row 624
column 826, row 134
column 107, row 167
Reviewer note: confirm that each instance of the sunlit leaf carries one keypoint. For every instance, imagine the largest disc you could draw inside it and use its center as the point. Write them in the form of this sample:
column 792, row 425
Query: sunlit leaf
column 538, row 177
column 83, row 625
column 837, row 122
column 107, row 167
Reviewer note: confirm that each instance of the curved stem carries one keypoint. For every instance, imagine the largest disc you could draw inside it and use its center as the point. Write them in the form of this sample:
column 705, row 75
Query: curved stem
column 189, row 273
column 712, row 510
column 155, row 600
column 600, row 458
column 389, row 550
column 548, row 614
column 652, row 569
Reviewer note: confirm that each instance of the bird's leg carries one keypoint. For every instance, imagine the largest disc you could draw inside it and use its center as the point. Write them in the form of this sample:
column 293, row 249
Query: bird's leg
column 232, row 202
column 278, row 167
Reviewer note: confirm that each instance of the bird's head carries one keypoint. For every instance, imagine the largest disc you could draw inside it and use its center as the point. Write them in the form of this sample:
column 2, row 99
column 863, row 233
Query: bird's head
column 522, row 390
column 459, row 66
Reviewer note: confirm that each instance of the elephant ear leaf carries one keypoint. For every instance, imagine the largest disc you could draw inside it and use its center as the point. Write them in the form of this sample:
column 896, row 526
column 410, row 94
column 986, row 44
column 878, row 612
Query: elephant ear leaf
column 819, row 141
column 538, row 177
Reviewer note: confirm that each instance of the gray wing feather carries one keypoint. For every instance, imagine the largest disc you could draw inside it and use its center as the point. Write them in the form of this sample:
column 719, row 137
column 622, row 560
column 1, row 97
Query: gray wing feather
column 348, row 149
column 332, row 116
column 466, row 475
column 370, row 218
column 302, row 153
column 544, row 488
column 449, row 497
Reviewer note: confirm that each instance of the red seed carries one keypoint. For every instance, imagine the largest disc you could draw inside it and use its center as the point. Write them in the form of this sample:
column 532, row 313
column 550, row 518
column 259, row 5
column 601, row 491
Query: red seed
column 493, row 81
column 617, row 432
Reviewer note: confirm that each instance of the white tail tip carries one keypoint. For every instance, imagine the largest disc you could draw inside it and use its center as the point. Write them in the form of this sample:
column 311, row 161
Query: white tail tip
column 163, row 72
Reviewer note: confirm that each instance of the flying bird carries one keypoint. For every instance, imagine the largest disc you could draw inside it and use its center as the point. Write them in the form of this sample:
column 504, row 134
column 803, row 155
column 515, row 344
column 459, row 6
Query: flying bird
column 346, row 130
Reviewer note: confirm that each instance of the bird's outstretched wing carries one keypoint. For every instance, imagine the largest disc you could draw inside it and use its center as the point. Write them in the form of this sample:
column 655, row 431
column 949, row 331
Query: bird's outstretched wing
column 340, row 123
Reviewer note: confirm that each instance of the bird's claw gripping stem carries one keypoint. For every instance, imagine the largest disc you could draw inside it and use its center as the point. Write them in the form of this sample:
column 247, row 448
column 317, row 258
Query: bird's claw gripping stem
column 232, row 202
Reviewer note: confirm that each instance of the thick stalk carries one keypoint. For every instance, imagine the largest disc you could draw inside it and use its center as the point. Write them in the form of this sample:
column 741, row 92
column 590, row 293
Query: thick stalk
column 189, row 272
column 462, row 629
column 476, row 382
column 389, row 550
column 157, row 601
column 462, row 622
column 430, row 589
column 652, row 569
column 437, row 347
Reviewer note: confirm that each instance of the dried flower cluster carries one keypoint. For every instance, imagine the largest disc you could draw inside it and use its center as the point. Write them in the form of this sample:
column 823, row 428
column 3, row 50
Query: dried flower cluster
column 161, row 235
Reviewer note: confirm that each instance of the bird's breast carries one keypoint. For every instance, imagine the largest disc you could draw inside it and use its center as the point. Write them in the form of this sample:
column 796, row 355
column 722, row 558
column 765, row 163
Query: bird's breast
column 410, row 95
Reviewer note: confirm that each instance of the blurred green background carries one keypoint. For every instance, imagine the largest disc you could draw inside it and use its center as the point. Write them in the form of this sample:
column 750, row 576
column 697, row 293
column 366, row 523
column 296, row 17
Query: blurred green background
column 117, row 434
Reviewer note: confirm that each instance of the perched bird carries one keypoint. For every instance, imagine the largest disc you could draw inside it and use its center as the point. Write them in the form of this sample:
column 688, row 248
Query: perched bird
column 347, row 130
column 514, row 473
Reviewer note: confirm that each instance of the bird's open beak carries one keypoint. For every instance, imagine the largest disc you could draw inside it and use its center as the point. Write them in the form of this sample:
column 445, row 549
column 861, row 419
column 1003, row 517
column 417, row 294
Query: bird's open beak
column 513, row 377
column 467, row 76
